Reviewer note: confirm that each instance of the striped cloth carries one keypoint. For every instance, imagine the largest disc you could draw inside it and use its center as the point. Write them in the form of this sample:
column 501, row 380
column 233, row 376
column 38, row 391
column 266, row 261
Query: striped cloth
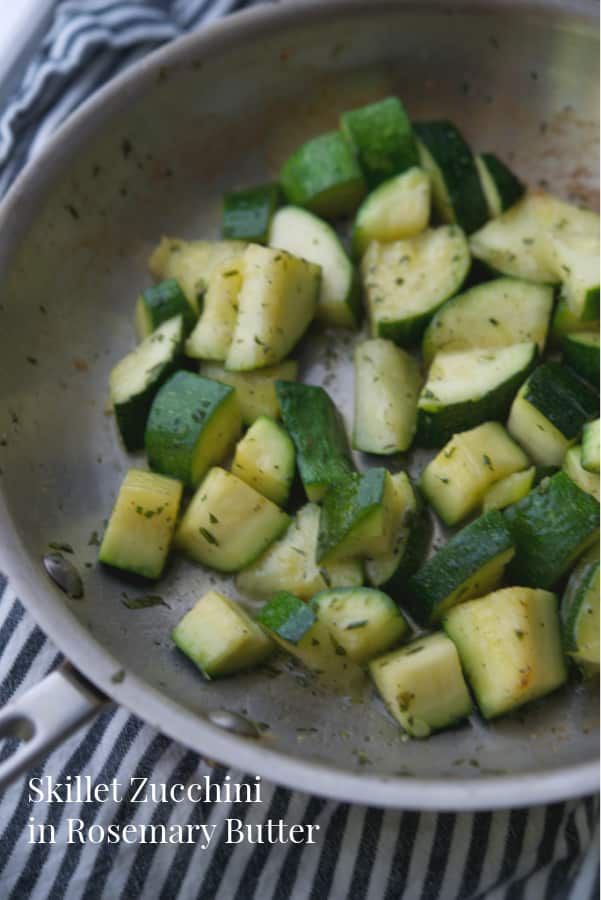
column 546, row 852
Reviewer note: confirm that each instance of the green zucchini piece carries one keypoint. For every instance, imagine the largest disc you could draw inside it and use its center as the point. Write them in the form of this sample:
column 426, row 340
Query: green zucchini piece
column 576, row 260
column 406, row 281
column 387, row 384
column 141, row 526
column 510, row 647
column 509, row 490
column 264, row 458
column 219, row 637
column 422, row 685
column 498, row 313
column 255, row 390
column 363, row 621
column 581, row 353
column 552, row 526
column 589, row 456
column 135, row 380
column 580, row 616
column 324, row 176
column 212, row 336
column 398, row 209
column 382, row 139
column 159, row 303
column 300, row 232
column 287, row 617
column 193, row 423
column 572, row 466
column 247, row 213
column 191, row 263
column 469, row 387
column 457, row 480
column 500, row 186
column 565, row 322
column 228, row 524
column 456, row 191
column 316, row 428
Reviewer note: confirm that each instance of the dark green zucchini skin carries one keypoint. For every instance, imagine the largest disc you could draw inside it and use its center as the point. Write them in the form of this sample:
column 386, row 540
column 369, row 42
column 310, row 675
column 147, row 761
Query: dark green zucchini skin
column 287, row 616
column 347, row 505
column 509, row 187
column 247, row 213
column 578, row 584
column 416, row 550
column 582, row 355
column 562, row 397
column 164, row 301
column 382, row 138
column 551, row 527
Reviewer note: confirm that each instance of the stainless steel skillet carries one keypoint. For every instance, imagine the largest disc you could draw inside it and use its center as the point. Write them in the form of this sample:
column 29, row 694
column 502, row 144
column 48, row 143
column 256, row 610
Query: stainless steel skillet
column 151, row 154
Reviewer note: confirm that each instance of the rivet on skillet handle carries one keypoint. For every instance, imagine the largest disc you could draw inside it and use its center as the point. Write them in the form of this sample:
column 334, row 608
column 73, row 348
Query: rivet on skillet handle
column 44, row 717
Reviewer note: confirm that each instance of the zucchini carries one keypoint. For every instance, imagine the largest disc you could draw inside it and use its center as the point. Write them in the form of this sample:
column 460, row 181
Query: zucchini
column 399, row 208
column 510, row 647
column 255, row 390
column 565, row 322
column 581, row 353
column 228, row 524
column 193, row 423
column 264, row 458
column 589, row 456
column 509, row 490
column 470, row 565
column 572, row 466
column 382, row 139
column 459, row 477
column 387, row 384
column 159, row 303
column 290, row 563
column 422, row 685
column 191, row 263
column 276, row 304
column 500, row 186
column 552, row 526
column 212, row 335
column 362, row 621
column 576, row 259
column 498, row 313
column 247, row 213
column 406, row 281
column 141, row 526
column 300, row 232
column 135, row 380
column 456, row 191
column 324, row 176
column 580, row 616
column 219, row 637
column 316, row 428
column 469, row 387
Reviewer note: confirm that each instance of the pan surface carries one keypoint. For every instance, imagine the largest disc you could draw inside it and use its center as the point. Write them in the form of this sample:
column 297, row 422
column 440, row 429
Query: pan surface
column 151, row 155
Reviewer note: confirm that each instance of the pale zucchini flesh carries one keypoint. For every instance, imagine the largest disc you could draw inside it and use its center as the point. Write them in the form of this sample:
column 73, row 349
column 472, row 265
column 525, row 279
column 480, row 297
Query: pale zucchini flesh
column 509, row 490
column 589, row 456
column 572, row 466
column 255, row 391
column 264, row 458
column 191, row 263
column 212, row 334
column 362, row 621
column 398, row 209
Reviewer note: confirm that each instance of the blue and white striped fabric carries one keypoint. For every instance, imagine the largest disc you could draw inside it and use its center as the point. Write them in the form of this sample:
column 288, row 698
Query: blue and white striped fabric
column 361, row 853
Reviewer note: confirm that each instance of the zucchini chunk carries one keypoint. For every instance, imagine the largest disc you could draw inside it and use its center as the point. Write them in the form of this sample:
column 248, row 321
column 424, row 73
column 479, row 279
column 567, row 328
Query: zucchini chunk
column 193, row 423
column 406, row 281
column 135, row 380
column 422, row 685
column 572, row 466
column 458, row 478
column 191, row 263
column 255, row 390
column 324, row 176
column 565, row 322
column 399, row 208
column 470, row 565
column 219, row 637
column 456, row 191
column 589, row 456
column 510, row 647
column 290, row 564
column 469, row 387
column 509, row 490
column 497, row 313
column 276, row 303
column 552, row 526
column 500, row 186
column 228, row 524
column 247, row 214
column 264, row 459
column 159, row 303
column 581, row 353
column 362, row 621
column 580, row 616
column 300, row 232
column 576, row 259
column 382, row 138
column 212, row 335
column 550, row 411
column 316, row 428
column 141, row 526
column 387, row 384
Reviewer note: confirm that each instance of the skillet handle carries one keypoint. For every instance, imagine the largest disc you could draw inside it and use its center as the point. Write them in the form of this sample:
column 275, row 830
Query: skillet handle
column 45, row 716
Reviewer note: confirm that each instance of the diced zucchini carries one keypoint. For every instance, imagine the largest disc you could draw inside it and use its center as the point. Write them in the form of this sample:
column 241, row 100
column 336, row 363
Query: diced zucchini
column 467, row 388
column 510, row 647
column 497, row 313
column 247, row 213
column 255, row 390
column 387, row 383
column 470, row 565
column 552, row 526
column 212, row 335
column 191, row 263
column 589, row 456
column 406, row 281
column 193, row 423
column 509, row 490
column 501, row 187
column 456, row 190
column 422, row 685
column 458, row 478
column 581, row 353
column 576, row 259
column 363, row 621
column 264, row 459
column 398, row 209
column 580, row 616
column 290, row 563
column 565, row 322
column 219, row 636
column 159, row 303
column 324, row 176
column 135, row 380
column 300, row 232
column 572, row 466
column 228, row 524
column 382, row 139
column 276, row 303
column 141, row 526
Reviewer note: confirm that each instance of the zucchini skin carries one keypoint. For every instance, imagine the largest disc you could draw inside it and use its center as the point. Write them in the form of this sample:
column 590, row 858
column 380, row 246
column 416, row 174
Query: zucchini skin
column 348, row 505
column 562, row 397
column 287, row 616
column 164, row 301
column 508, row 186
column 582, row 355
column 382, row 139
column 416, row 549
column 247, row 213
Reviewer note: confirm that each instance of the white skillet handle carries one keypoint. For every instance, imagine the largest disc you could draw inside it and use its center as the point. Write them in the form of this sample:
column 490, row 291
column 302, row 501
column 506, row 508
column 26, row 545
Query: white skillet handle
column 45, row 716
